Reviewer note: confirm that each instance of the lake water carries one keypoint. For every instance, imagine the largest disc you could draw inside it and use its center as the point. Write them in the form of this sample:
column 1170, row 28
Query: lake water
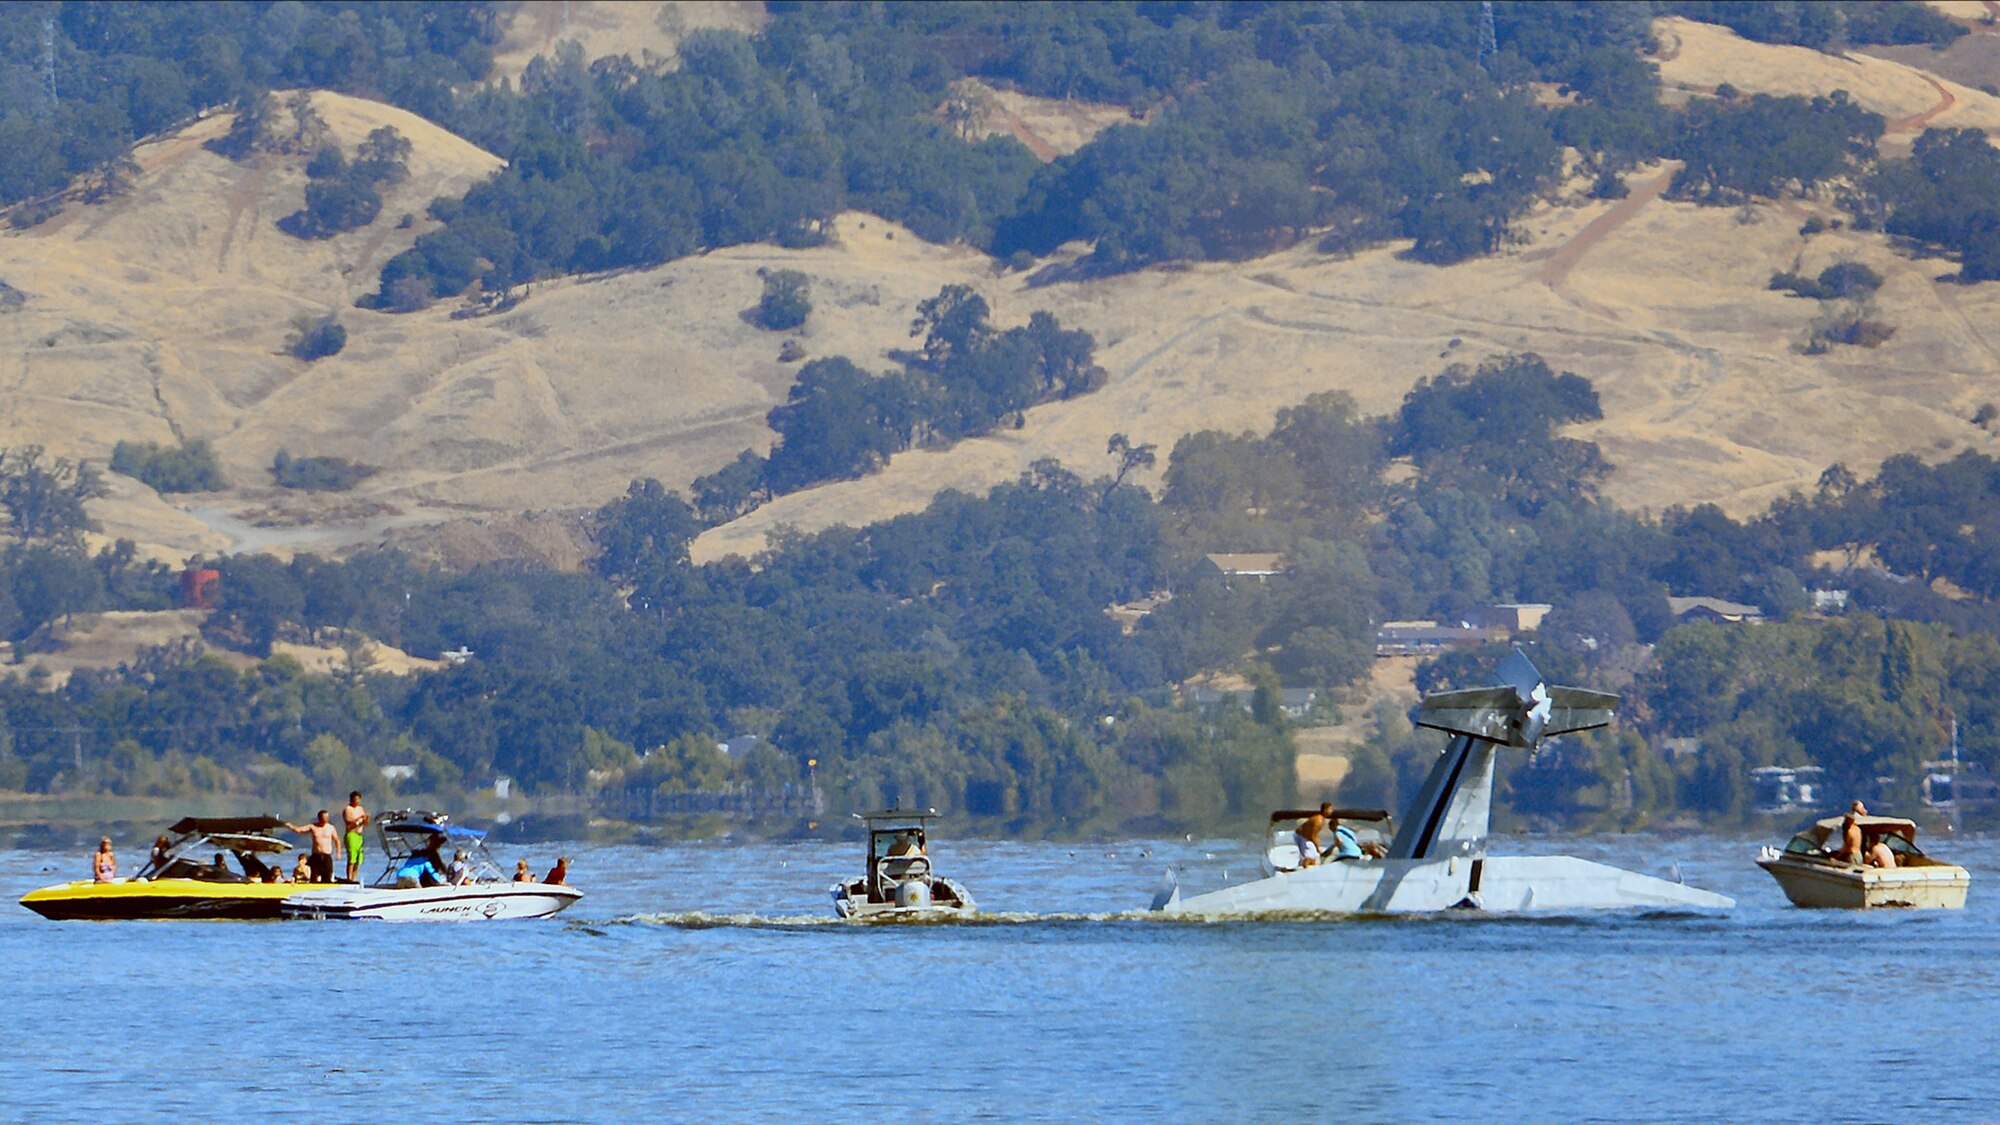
column 704, row 981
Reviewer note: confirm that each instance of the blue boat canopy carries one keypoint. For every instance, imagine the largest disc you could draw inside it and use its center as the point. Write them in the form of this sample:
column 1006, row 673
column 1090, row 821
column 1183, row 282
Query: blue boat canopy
column 448, row 831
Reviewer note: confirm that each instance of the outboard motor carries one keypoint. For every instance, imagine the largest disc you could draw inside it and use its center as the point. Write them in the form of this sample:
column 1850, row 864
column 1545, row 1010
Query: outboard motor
column 913, row 893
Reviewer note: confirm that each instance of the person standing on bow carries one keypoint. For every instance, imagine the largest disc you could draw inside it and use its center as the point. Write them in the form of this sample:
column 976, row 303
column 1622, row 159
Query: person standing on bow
column 356, row 818
column 323, row 836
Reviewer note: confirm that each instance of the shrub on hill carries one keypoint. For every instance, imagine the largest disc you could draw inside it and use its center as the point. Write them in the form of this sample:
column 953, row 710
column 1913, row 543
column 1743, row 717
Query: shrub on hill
column 319, row 338
column 189, row 467
column 1840, row 281
column 787, row 300
column 318, row 474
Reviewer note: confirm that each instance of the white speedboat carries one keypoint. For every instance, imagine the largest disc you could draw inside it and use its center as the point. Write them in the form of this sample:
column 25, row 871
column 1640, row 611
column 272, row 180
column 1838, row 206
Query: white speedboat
column 414, row 886
column 1811, row 875
column 1281, row 856
column 897, row 881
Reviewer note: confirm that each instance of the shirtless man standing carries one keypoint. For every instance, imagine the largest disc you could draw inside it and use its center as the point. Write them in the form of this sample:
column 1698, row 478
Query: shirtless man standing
column 1850, row 833
column 1306, row 835
column 356, row 817
column 323, row 835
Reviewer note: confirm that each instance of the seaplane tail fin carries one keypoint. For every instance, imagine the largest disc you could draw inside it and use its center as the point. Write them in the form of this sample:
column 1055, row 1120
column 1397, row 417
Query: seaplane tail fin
column 1573, row 709
column 1453, row 808
column 1520, row 711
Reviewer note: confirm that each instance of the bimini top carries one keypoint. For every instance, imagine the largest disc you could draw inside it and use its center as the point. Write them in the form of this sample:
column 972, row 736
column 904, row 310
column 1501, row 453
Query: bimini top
column 1338, row 814
column 448, row 831
column 429, row 824
column 231, row 825
column 1893, row 825
column 899, row 814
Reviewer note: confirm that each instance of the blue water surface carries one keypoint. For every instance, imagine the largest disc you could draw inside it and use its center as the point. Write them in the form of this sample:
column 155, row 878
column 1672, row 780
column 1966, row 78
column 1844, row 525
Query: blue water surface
column 705, row 982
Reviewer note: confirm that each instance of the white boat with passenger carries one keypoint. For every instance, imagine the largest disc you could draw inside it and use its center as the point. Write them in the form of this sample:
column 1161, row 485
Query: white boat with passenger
column 1814, row 871
column 1281, row 856
column 419, row 885
column 897, row 880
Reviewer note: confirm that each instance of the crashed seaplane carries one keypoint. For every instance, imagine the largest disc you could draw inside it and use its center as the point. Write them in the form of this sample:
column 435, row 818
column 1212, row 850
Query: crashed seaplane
column 1437, row 859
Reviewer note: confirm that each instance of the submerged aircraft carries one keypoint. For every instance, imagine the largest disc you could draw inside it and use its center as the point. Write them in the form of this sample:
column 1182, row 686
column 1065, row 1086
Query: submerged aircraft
column 1438, row 860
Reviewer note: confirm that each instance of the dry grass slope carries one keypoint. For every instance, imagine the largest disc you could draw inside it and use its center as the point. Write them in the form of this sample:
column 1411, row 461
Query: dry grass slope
column 164, row 314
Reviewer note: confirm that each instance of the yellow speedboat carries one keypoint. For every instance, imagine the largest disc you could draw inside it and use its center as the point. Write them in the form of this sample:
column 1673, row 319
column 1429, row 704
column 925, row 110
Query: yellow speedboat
column 193, row 878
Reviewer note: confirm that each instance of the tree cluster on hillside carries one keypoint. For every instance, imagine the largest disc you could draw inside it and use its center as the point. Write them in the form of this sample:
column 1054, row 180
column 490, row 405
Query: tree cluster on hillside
column 318, row 474
column 1825, row 25
column 1268, row 121
column 965, row 657
column 109, row 74
column 343, row 195
column 188, row 467
column 839, row 421
column 1769, row 146
column 1947, row 194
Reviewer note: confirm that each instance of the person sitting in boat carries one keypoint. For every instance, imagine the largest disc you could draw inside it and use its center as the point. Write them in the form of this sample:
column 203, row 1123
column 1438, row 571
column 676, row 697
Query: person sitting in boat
column 103, row 862
column 160, row 847
column 559, row 874
column 521, row 872
column 1346, row 845
column 254, row 868
column 906, row 845
column 1306, row 836
column 459, row 872
column 1879, row 854
column 302, row 872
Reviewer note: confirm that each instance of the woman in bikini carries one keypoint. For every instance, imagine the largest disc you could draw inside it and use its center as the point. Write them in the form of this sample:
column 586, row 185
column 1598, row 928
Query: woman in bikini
column 103, row 864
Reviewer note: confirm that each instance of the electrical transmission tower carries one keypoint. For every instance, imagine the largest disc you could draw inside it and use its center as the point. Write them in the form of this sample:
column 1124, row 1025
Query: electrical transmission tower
column 49, row 62
column 1489, row 40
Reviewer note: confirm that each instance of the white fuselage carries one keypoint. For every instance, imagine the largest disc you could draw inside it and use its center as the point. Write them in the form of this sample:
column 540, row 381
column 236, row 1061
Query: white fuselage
column 1398, row 886
column 472, row 902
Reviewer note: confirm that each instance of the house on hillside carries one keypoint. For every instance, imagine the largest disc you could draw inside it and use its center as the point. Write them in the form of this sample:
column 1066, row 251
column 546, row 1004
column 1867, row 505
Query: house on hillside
column 1296, row 703
column 1515, row 617
column 1715, row 610
column 1428, row 638
column 1829, row 602
column 1129, row 614
column 1260, row 566
column 1786, row 788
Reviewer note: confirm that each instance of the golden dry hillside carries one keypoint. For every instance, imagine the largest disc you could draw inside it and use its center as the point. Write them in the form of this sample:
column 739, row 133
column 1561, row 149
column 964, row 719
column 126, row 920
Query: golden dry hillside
column 164, row 314
column 601, row 28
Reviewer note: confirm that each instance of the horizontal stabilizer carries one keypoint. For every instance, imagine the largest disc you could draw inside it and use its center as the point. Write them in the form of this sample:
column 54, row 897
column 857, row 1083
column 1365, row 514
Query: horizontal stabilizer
column 1503, row 715
column 1572, row 709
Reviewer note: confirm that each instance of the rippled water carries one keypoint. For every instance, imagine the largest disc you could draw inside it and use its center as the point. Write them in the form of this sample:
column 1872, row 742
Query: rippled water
column 705, row 981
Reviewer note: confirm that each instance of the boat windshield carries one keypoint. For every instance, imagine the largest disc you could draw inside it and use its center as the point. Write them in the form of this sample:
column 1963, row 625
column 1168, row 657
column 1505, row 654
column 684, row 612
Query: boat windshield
column 897, row 842
column 1803, row 844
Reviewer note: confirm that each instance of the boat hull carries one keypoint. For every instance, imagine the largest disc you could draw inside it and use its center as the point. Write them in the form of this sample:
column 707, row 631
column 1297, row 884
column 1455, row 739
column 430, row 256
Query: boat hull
column 478, row 902
column 1500, row 884
column 1939, row 886
column 850, row 901
column 128, row 900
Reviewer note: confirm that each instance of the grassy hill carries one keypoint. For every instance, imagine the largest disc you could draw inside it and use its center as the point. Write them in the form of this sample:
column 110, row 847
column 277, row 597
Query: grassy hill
column 164, row 314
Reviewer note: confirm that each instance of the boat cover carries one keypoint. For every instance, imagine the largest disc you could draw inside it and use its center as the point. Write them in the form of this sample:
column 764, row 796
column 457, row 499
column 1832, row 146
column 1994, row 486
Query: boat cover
column 210, row 825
